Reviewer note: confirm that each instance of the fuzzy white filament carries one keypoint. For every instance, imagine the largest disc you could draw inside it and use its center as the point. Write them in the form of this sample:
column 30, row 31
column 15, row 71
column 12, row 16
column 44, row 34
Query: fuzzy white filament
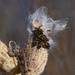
column 40, row 17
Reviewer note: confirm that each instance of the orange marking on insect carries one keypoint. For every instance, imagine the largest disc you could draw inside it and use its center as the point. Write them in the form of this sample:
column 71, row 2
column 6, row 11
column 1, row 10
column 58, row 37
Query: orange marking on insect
column 37, row 41
column 34, row 41
column 46, row 43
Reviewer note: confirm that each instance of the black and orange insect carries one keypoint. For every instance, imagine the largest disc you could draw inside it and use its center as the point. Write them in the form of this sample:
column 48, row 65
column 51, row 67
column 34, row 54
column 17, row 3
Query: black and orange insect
column 39, row 38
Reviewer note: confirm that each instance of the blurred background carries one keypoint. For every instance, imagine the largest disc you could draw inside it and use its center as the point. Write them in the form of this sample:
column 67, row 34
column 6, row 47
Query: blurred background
column 13, row 26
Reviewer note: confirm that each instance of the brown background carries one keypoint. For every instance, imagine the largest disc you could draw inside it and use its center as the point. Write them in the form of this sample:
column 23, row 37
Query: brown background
column 14, row 21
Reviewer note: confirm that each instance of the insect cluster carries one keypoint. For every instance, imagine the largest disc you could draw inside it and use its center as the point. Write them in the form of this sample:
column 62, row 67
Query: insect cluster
column 39, row 39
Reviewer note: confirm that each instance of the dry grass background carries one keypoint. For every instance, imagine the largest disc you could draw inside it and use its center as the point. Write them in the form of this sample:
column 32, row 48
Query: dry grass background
column 13, row 24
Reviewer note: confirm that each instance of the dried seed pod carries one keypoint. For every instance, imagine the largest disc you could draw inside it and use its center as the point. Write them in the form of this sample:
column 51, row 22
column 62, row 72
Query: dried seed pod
column 7, row 63
column 34, row 60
